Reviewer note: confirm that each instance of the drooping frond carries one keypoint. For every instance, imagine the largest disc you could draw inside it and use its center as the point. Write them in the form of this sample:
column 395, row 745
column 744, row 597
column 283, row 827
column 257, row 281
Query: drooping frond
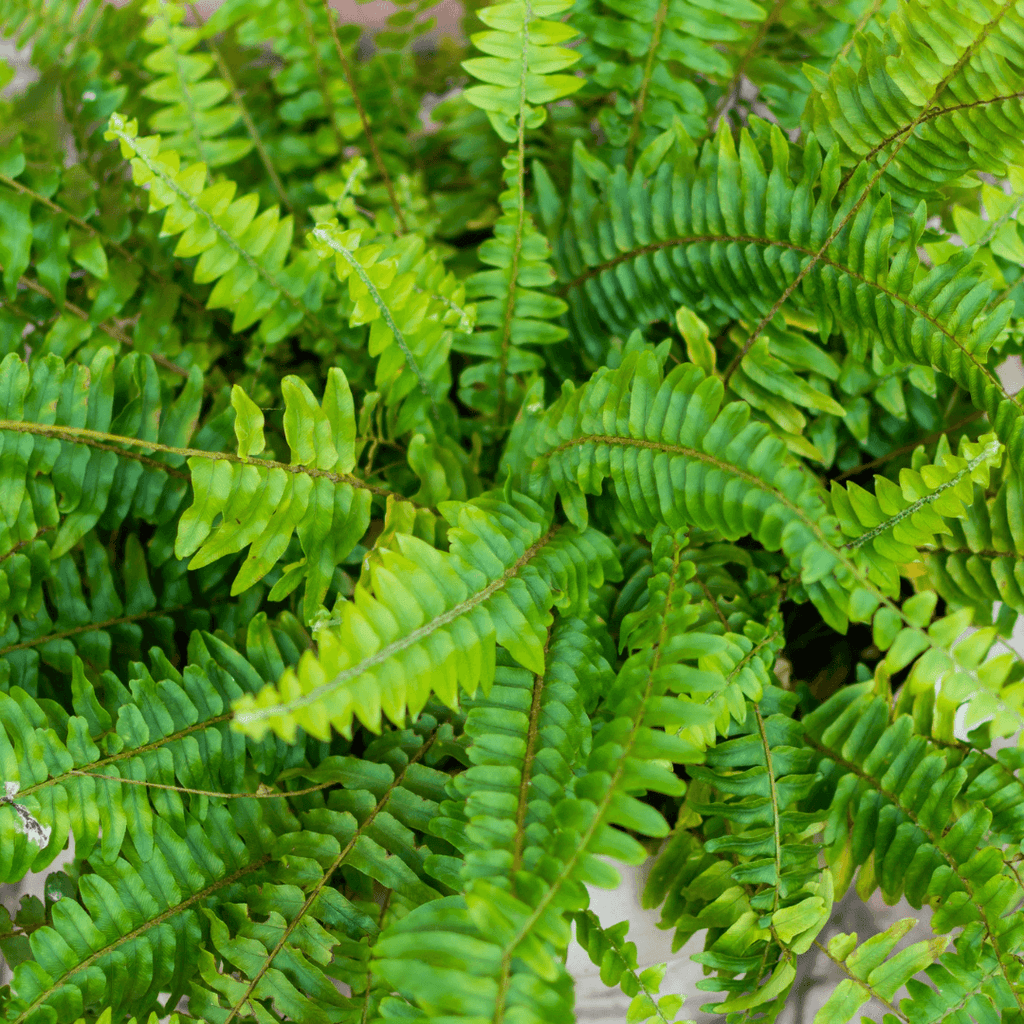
column 754, row 881
column 608, row 950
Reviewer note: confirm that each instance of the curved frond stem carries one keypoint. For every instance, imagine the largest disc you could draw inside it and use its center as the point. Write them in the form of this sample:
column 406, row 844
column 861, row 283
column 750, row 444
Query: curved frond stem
column 129, row 753
column 866, row 191
column 89, row 627
column 221, row 883
column 98, row 439
column 929, row 115
column 714, row 604
column 25, row 543
column 371, row 141
column 315, row 891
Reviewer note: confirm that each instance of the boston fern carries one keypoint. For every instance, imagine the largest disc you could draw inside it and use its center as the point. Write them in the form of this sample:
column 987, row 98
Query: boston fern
column 411, row 508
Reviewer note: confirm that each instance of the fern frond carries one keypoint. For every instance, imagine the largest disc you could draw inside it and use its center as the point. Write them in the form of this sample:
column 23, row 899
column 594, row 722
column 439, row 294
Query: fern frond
column 260, row 506
column 427, row 620
column 533, row 830
column 869, row 102
column 512, row 306
column 873, row 970
column 55, row 492
column 523, row 53
column 244, row 254
column 888, row 527
column 978, row 561
column 608, row 950
column 679, row 624
column 755, row 879
column 163, row 727
column 400, row 287
column 132, row 935
column 723, row 235
column 311, row 86
column 313, row 934
column 897, row 811
column 673, row 455
column 193, row 118
column 62, row 609
column 54, row 30
column 647, row 52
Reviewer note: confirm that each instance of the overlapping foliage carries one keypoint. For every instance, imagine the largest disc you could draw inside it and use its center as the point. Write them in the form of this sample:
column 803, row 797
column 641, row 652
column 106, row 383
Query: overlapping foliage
column 418, row 517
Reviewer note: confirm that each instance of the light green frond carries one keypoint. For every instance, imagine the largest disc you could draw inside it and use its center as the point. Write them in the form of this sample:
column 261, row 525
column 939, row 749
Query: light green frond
column 427, row 620
column 874, row 970
column 890, row 526
column 243, row 253
column 523, row 53
column 399, row 286
column 260, row 506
